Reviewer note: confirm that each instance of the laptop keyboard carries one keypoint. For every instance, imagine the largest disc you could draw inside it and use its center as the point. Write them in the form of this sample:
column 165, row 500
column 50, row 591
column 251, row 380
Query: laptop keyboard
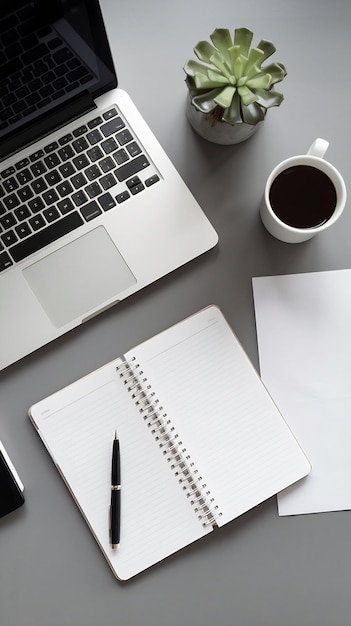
column 69, row 182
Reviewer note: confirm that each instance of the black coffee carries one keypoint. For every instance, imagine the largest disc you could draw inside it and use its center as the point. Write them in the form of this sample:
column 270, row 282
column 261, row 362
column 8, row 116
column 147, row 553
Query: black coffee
column 303, row 197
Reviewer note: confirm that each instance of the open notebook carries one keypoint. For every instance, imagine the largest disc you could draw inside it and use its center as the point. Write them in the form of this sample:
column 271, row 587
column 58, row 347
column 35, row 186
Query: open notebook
column 201, row 440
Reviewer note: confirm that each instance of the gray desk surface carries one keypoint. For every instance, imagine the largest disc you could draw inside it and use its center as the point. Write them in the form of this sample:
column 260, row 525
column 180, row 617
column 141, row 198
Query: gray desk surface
column 260, row 570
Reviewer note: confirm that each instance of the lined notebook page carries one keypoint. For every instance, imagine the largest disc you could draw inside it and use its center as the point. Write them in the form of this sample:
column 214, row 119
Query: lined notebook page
column 77, row 425
column 230, row 426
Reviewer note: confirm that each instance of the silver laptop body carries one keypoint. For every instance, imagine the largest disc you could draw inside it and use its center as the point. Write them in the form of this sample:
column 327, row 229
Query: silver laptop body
column 91, row 208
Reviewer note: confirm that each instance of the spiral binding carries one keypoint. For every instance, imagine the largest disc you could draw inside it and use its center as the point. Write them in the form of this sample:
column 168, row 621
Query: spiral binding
column 168, row 441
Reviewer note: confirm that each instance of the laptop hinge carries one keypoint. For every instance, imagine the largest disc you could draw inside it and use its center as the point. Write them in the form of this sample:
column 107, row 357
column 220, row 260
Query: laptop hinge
column 52, row 121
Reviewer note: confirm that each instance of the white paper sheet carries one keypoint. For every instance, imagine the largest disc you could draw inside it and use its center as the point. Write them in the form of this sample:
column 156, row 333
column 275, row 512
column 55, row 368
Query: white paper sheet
column 304, row 339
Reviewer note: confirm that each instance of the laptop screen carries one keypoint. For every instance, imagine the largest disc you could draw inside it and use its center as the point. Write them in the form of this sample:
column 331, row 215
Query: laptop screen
column 54, row 59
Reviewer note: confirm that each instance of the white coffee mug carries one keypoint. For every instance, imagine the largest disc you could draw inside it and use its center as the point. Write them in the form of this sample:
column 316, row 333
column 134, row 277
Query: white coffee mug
column 287, row 198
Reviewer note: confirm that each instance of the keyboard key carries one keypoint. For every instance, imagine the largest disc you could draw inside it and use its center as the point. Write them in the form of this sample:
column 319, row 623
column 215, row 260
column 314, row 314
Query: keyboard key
column 24, row 177
column 92, row 172
column 109, row 145
column 121, row 156
column 133, row 181
column 66, row 169
column 51, row 214
column 52, row 160
column 125, row 136
column 95, row 153
column 109, row 114
column 50, row 196
column 93, row 190
column 37, row 222
column 51, row 147
column 78, row 132
column 132, row 167
column 7, row 172
column 66, row 153
column 11, row 202
column 53, row 177
column 91, row 210
column 11, row 184
column 38, row 168
column 22, row 163
column 79, row 198
column 9, row 238
column 65, row 206
column 113, row 126
column 107, row 165
column 39, row 185
column 80, row 145
column 94, row 137
column 135, row 185
column 22, row 213
column 137, row 188
column 152, row 180
column 133, row 149
column 25, row 193
column 46, row 236
column 5, row 261
column 23, row 230
column 78, row 180
column 65, row 139
column 64, row 189
column 7, row 221
column 81, row 161
column 36, row 155
column 36, row 205
column 108, row 181
column 106, row 201
column 95, row 122
column 121, row 197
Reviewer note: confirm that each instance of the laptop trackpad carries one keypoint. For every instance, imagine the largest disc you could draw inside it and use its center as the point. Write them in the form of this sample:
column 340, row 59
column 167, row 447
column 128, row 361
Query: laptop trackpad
column 80, row 276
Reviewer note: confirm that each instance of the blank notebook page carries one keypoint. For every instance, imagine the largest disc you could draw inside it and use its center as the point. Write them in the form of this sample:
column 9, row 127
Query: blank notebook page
column 156, row 518
column 233, row 432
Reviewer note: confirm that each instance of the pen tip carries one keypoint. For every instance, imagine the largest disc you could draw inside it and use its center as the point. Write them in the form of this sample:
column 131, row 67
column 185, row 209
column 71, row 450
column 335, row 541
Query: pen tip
column 115, row 546
column 116, row 434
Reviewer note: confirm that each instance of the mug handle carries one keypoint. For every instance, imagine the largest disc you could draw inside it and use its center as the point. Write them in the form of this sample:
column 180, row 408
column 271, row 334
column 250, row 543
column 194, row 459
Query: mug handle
column 319, row 148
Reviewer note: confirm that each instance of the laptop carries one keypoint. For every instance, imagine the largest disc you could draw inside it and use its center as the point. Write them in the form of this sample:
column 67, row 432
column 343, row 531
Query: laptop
column 91, row 208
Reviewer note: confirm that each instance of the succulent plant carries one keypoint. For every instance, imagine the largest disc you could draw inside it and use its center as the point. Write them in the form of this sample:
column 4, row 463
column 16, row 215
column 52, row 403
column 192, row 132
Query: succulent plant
column 229, row 81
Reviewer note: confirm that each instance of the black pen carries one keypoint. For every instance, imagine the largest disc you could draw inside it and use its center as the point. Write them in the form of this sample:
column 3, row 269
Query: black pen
column 115, row 494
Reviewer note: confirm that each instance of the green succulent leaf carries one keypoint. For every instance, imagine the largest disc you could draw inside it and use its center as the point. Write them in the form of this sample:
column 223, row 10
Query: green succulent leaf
column 204, row 82
column 225, row 98
column 269, row 99
column 217, row 61
column 192, row 67
column 277, row 72
column 243, row 38
column 216, row 76
column 267, row 47
column 247, row 96
column 254, row 62
column 205, row 102
column 232, row 115
column 234, row 53
column 261, row 81
column 204, row 51
column 253, row 114
column 239, row 66
column 222, row 40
